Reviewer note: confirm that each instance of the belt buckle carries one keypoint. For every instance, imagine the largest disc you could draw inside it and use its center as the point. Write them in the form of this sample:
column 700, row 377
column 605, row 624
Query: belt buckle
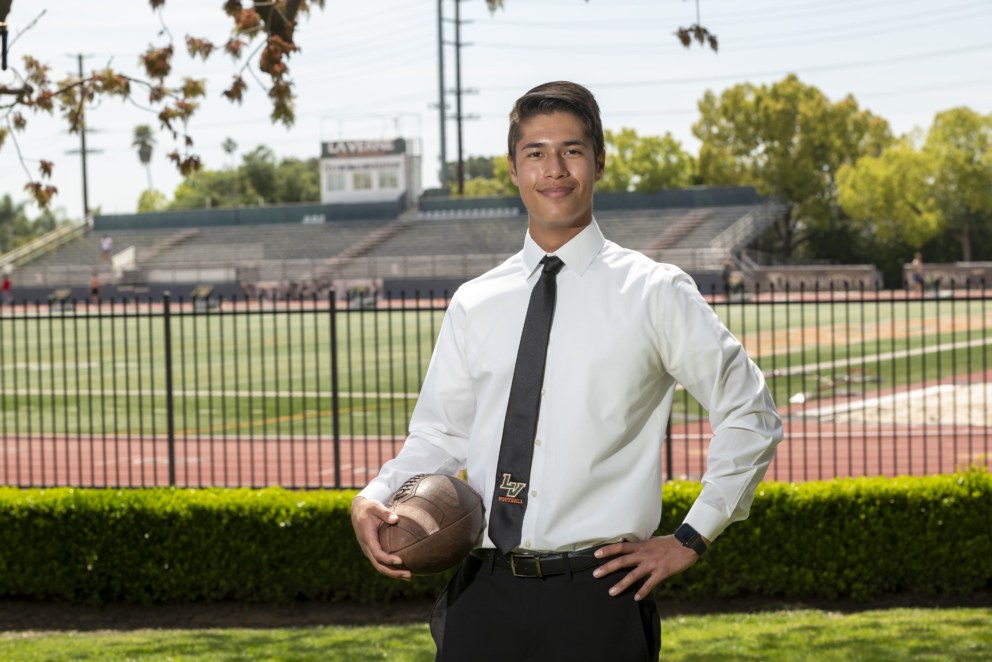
column 530, row 557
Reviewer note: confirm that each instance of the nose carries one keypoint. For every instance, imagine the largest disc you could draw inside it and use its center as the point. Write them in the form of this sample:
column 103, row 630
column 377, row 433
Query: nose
column 557, row 167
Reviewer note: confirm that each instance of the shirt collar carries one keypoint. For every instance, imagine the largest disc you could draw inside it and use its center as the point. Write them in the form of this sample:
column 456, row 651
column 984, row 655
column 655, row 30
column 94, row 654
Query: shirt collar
column 577, row 254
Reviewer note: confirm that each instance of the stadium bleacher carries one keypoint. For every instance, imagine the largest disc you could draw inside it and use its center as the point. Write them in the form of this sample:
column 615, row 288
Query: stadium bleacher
column 456, row 241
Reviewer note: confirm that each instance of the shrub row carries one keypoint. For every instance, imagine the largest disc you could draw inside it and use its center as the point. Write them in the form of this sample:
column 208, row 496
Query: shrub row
column 857, row 538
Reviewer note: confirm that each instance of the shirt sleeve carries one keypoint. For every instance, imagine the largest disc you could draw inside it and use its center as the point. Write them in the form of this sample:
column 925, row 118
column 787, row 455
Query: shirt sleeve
column 700, row 353
column 441, row 420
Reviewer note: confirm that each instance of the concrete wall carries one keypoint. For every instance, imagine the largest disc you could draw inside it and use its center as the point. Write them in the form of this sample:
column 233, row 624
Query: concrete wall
column 296, row 213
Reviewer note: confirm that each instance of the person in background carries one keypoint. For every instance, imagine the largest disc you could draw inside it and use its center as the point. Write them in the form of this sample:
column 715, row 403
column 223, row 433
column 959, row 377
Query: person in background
column 95, row 288
column 919, row 274
column 8, row 296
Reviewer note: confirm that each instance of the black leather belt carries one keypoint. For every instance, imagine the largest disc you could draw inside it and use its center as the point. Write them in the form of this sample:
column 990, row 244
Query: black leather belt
column 540, row 565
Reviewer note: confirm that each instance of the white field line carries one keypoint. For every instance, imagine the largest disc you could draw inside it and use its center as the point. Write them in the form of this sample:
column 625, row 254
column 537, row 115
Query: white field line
column 132, row 393
column 858, row 361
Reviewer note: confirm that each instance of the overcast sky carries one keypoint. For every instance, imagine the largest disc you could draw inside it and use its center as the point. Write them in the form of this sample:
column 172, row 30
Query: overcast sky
column 369, row 69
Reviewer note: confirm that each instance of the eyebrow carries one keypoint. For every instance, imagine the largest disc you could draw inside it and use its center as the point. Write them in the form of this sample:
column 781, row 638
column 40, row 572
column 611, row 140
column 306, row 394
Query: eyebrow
column 564, row 143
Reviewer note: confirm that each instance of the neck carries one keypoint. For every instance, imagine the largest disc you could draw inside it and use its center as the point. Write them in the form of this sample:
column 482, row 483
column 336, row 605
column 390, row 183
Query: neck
column 551, row 239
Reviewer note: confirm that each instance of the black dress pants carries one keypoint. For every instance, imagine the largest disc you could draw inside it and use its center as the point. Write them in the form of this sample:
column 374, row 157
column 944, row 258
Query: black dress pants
column 485, row 613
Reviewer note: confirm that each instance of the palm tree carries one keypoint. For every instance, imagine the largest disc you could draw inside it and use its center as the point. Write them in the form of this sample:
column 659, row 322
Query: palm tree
column 229, row 147
column 144, row 141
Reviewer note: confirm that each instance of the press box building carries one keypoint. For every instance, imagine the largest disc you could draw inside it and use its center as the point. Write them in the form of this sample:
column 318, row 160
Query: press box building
column 369, row 171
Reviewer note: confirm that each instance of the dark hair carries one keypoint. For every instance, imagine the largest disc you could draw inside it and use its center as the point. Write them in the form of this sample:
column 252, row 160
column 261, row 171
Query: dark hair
column 557, row 97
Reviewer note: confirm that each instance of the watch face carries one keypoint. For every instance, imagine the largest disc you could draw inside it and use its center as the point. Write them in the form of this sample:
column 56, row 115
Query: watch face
column 685, row 534
column 690, row 538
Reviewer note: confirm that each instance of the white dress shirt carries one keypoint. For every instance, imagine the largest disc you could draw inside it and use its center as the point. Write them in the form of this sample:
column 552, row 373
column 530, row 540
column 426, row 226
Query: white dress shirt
column 626, row 329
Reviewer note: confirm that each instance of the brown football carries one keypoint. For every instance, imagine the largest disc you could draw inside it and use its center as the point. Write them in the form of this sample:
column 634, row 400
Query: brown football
column 441, row 518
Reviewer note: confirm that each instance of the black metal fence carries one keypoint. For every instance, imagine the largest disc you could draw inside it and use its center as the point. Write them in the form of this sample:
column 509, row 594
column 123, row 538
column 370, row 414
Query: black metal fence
column 316, row 393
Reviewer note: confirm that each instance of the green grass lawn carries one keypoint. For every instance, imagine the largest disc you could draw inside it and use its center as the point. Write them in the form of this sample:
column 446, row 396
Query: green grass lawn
column 891, row 634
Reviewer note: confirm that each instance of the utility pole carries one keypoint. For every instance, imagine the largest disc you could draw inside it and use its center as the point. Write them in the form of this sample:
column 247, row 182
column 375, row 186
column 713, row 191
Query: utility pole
column 83, row 151
column 458, row 93
column 441, row 103
column 82, row 139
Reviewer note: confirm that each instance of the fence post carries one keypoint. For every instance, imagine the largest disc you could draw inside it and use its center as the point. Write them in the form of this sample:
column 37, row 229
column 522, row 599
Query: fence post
column 335, row 416
column 669, row 455
column 170, row 419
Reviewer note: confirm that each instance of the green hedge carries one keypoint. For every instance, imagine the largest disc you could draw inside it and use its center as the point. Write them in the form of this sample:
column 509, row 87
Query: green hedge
column 855, row 538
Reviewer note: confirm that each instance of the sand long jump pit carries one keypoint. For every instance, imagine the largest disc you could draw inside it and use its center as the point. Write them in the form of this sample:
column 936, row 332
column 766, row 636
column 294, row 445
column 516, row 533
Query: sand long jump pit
column 940, row 404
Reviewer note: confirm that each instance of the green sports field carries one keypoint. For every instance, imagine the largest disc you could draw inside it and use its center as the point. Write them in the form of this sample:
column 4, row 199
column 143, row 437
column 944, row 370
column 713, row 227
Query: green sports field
column 274, row 371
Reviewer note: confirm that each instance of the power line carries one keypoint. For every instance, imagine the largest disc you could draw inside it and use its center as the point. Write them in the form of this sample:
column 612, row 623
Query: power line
column 892, row 26
column 831, row 9
column 764, row 41
column 751, row 16
column 782, row 71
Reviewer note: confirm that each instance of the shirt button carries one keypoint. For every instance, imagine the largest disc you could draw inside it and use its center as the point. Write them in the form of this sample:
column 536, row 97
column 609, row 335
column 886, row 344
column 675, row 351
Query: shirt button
column 527, row 544
column 537, row 442
column 533, row 493
column 543, row 392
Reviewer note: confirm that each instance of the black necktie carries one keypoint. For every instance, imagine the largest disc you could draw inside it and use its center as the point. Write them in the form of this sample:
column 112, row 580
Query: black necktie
column 517, row 446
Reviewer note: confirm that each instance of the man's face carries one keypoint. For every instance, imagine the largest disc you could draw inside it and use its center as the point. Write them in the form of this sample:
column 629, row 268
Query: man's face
column 556, row 171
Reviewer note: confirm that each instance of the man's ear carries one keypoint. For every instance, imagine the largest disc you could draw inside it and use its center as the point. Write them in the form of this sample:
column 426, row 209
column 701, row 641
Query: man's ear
column 600, row 165
column 513, row 170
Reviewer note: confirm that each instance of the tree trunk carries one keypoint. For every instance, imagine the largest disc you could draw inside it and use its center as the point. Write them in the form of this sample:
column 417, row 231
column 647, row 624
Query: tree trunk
column 786, row 233
column 965, row 238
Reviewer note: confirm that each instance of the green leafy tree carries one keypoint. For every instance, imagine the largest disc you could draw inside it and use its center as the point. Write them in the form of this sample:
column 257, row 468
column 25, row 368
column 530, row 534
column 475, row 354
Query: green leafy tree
column 258, row 167
column 788, row 140
column 918, row 191
column 260, row 178
column 491, row 179
column 892, row 195
column 12, row 220
column 298, row 180
column 475, row 167
column 959, row 144
column 214, row 188
column 152, row 200
column 16, row 228
column 645, row 163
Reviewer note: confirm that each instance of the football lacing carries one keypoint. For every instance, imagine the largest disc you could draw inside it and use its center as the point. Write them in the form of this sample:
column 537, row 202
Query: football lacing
column 406, row 489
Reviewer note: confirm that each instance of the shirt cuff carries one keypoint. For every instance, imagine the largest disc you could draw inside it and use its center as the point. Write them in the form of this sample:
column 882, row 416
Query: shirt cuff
column 706, row 520
column 377, row 490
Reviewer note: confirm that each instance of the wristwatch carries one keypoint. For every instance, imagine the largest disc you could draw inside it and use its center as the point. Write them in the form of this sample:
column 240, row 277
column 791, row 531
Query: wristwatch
column 690, row 538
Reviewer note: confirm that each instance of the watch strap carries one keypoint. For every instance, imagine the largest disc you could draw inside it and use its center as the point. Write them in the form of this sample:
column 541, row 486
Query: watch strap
column 690, row 538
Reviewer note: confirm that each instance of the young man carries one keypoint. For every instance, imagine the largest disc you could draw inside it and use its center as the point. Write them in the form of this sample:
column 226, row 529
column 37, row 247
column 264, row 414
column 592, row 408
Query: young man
column 575, row 521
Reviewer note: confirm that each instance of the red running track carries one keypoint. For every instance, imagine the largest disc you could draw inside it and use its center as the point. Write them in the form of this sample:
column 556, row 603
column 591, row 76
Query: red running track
column 811, row 451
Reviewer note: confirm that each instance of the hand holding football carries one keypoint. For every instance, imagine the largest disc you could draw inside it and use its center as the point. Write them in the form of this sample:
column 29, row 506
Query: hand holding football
column 440, row 520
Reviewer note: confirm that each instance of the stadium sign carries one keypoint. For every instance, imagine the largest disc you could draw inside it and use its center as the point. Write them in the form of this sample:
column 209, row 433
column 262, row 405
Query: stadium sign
column 350, row 148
